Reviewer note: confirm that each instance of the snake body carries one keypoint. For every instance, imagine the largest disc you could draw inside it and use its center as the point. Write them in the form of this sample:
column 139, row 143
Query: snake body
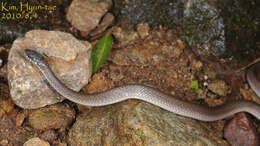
column 148, row 94
column 252, row 79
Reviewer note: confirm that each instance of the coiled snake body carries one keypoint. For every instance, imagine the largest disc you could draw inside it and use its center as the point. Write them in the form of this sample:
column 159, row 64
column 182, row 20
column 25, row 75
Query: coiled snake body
column 150, row 95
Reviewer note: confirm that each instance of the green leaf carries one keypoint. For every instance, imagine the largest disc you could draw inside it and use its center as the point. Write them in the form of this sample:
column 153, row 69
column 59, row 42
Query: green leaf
column 101, row 51
column 194, row 85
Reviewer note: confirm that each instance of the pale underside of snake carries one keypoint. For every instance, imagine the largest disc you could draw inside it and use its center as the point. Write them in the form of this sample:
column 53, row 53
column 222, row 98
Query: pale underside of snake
column 150, row 95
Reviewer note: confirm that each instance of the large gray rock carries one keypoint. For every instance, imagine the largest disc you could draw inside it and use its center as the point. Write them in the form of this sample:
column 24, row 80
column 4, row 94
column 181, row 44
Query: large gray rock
column 68, row 57
column 140, row 123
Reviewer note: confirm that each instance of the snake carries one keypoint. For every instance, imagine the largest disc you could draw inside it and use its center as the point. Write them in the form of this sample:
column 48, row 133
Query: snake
column 150, row 95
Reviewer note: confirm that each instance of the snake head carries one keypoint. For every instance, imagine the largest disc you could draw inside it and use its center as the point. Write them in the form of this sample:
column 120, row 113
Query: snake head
column 35, row 58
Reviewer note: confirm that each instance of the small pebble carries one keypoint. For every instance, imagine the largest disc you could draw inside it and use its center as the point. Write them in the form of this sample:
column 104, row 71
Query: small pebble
column 19, row 119
column 205, row 84
column 36, row 142
column 218, row 87
column 49, row 135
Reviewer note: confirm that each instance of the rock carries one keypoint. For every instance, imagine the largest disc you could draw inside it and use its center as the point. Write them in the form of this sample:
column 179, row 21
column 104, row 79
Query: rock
column 167, row 13
column 68, row 57
column 140, row 123
column 55, row 43
column 85, row 15
column 98, row 84
column 202, row 94
column 210, row 73
column 197, row 65
column 51, row 117
column 49, row 135
column 143, row 30
column 19, row 119
column 241, row 131
column 211, row 38
column 219, row 87
column 4, row 142
column 36, row 141
column 105, row 23
column 235, row 84
column 124, row 37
